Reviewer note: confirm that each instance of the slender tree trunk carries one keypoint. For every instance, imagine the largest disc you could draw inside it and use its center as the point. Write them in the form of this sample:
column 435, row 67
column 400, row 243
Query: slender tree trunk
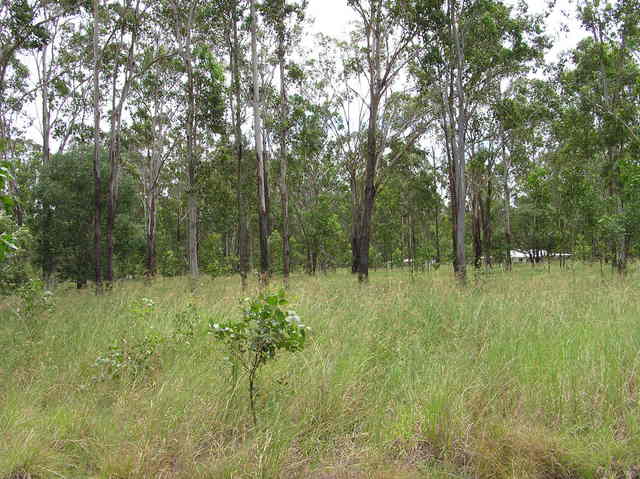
column 476, row 225
column 262, row 200
column 459, row 154
column 284, row 192
column 113, row 179
column 355, row 209
column 192, row 200
column 507, row 208
column 369, row 195
column 437, row 215
column 48, row 264
column 151, row 236
column 114, row 143
column 97, row 234
column 243, row 229
column 486, row 220
column 150, row 178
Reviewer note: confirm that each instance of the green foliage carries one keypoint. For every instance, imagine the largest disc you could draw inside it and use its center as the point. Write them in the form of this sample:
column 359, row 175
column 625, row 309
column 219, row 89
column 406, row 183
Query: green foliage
column 132, row 359
column 184, row 325
column 34, row 300
column 171, row 264
column 7, row 240
column 62, row 214
column 264, row 330
column 212, row 257
column 15, row 268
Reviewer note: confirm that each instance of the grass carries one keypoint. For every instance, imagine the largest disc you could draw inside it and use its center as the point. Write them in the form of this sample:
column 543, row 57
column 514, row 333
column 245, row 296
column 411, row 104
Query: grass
column 532, row 374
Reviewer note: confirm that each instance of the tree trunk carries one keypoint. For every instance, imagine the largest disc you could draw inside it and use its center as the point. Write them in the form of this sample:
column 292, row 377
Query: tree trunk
column 151, row 238
column 369, row 195
column 284, row 192
column 507, row 209
column 243, row 229
column 97, row 234
column 355, row 209
column 262, row 187
column 459, row 154
column 476, row 226
column 192, row 200
column 486, row 220
column 48, row 264
column 114, row 145
column 437, row 215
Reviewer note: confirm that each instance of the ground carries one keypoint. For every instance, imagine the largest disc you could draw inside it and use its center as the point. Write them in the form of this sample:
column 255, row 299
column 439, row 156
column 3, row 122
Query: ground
column 529, row 374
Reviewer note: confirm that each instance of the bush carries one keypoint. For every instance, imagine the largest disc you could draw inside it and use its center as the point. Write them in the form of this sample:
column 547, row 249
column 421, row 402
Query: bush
column 264, row 330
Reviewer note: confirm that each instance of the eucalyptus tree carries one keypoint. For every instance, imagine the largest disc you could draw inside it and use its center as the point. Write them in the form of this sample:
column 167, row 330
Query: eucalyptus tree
column 123, row 65
column 263, row 216
column 97, row 175
column 22, row 27
column 183, row 18
column 233, row 13
column 524, row 113
column 62, row 83
column 379, row 51
column 605, row 84
column 333, row 85
column 278, row 15
column 156, row 107
column 468, row 46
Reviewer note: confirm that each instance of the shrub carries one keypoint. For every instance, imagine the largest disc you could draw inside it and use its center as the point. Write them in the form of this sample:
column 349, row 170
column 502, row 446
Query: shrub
column 264, row 330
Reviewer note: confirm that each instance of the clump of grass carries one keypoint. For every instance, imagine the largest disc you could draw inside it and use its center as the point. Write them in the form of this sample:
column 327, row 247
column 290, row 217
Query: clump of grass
column 527, row 374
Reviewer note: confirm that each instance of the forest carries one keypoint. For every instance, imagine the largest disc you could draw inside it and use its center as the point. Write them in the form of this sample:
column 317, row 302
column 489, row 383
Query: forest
column 165, row 137
column 234, row 245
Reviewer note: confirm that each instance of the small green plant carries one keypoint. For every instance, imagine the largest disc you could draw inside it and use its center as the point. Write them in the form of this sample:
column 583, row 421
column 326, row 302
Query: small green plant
column 184, row 325
column 133, row 359
column 34, row 300
column 142, row 309
column 264, row 330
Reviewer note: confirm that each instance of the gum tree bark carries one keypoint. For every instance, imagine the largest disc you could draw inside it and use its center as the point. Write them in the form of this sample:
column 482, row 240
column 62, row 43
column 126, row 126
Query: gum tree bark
column 263, row 217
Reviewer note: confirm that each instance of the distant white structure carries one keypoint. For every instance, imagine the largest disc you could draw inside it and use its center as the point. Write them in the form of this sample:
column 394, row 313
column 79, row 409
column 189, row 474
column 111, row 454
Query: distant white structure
column 522, row 256
column 519, row 256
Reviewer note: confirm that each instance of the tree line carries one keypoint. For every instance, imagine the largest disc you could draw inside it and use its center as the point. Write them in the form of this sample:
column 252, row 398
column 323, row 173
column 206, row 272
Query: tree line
column 191, row 136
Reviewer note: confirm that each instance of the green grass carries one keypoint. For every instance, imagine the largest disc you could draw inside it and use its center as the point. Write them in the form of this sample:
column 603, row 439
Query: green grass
column 524, row 375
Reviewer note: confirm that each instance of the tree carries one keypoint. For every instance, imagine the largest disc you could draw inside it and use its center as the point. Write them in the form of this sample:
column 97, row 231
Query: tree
column 234, row 46
column 97, row 176
column 606, row 79
column 263, row 215
column 185, row 15
column 277, row 14
column 469, row 46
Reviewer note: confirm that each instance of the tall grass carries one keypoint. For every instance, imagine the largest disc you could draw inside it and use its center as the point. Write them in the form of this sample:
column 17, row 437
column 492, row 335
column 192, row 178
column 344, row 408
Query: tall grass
column 523, row 375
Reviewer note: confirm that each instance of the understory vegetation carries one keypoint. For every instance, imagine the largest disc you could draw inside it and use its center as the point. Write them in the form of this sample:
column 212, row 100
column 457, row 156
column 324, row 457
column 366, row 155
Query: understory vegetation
column 529, row 374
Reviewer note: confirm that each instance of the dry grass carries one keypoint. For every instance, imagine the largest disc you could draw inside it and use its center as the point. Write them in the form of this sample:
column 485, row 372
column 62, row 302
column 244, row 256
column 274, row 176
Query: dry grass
column 523, row 375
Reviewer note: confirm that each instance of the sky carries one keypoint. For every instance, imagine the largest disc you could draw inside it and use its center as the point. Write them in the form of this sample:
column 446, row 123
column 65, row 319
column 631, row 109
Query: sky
column 333, row 18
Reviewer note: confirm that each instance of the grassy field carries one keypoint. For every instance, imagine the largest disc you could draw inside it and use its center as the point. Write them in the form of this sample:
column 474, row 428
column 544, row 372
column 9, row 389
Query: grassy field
column 532, row 374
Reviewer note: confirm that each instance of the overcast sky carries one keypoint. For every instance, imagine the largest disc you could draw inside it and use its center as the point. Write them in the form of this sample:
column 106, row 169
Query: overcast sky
column 333, row 17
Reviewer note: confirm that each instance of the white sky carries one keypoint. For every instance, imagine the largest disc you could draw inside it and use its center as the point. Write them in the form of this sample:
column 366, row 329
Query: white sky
column 333, row 17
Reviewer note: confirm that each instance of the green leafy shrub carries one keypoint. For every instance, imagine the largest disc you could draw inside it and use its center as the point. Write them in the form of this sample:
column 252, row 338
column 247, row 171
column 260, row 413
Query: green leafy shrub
column 135, row 358
column 264, row 330
column 34, row 300
column 184, row 325
column 131, row 359
column 171, row 264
